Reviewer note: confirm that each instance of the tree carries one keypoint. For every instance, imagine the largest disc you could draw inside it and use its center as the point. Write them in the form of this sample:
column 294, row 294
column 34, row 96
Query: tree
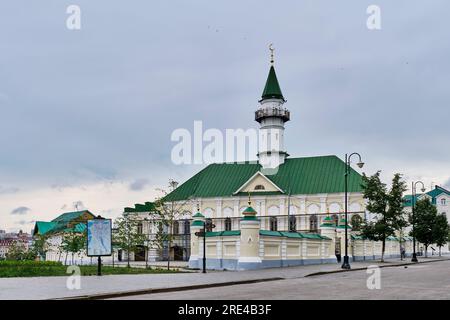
column 426, row 225
column 127, row 235
column 441, row 231
column 166, row 213
column 73, row 243
column 387, row 205
column 356, row 222
column 40, row 246
column 18, row 251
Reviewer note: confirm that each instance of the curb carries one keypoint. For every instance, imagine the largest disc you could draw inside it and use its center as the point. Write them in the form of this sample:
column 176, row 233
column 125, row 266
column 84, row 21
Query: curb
column 365, row 268
column 163, row 290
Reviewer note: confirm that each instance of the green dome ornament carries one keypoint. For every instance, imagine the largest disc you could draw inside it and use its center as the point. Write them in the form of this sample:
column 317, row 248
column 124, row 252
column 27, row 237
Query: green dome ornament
column 249, row 213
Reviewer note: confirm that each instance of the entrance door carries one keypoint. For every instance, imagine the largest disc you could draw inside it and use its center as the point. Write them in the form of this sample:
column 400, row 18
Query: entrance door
column 177, row 253
column 139, row 253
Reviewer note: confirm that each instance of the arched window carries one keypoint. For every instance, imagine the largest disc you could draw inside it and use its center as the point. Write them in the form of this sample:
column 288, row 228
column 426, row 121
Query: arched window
column 208, row 224
column 187, row 226
column 443, row 201
column 313, row 223
column 335, row 218
column 259, row 187
column 292, row 223
column 227, row 224
column 273, row 224
column 356, row 221
column 176, row 227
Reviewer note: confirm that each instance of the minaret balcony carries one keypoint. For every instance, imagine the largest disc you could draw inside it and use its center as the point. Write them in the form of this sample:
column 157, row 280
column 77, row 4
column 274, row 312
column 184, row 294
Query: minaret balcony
column 272, row 112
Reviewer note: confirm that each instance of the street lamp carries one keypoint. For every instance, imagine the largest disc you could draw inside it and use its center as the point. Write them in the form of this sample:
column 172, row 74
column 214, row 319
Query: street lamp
column 413, row 198
column 360, row 164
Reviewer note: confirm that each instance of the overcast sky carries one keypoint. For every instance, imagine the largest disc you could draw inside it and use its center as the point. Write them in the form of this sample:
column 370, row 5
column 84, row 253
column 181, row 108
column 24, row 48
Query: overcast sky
column 86, row 115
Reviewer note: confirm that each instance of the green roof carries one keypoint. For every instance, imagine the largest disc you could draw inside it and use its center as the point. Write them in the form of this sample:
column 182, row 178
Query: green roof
column 224, row 233
column 198, row 215
column 438, row 190
column 308, row 175
column 293, row 235
column 60, row 223
column 42, row 227
column 146, row 207
column 272, row 87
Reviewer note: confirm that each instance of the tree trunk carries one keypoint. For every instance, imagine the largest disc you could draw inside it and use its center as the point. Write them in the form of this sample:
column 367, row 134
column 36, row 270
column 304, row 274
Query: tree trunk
column 383, row 246
column 72, row 256
column 65, row 259
column 128, row 259
column 426, row 251
column 440, row 250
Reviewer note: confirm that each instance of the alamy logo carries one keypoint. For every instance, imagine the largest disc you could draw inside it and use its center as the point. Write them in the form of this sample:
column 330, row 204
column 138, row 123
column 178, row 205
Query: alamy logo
column 74, row 280
column 374, row 19
column 214, row 146
column 374, row 280
column 73, row 22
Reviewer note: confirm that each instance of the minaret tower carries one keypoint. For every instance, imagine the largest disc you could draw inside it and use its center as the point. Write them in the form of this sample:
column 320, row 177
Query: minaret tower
column 272, row 116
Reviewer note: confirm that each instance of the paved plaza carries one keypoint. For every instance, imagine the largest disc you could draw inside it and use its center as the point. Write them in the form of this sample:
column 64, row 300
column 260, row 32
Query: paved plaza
column 55, row 287
column 420, row 281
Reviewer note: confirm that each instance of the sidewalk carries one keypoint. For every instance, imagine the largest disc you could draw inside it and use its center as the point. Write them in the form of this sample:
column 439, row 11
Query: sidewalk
column 92, row 286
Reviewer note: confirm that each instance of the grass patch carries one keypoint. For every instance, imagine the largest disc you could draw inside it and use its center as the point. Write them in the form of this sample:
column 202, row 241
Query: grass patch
column 9, row 269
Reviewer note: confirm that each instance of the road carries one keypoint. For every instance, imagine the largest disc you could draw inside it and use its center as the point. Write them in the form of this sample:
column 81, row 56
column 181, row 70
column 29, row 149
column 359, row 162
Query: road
column 424, row 281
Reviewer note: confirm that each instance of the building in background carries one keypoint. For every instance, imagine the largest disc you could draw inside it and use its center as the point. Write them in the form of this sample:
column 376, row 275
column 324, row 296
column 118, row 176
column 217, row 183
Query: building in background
column 56, row 229
column 7, row 240
column 289, row 194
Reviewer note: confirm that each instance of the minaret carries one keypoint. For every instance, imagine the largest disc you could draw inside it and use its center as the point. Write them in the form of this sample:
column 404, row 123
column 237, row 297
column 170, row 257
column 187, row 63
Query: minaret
column 271, row 115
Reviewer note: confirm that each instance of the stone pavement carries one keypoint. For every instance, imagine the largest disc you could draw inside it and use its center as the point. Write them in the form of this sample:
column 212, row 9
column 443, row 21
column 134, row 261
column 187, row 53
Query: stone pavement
column 55, row 287
column 423, row 281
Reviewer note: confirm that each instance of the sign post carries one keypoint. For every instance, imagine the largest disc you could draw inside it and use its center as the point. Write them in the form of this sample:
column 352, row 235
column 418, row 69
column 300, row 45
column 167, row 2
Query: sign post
column 99, row 242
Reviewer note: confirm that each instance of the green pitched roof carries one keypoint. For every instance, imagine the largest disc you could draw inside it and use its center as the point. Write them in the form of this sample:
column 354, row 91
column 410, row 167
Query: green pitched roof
column 60, row 223
column 309, row 175
column 146, row 207
column 438, row 190
column 272, row 87
column 42, row 227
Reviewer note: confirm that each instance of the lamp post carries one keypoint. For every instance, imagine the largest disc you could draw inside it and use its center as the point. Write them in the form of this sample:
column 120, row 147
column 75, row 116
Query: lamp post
column 360, row 164
column 413, row 203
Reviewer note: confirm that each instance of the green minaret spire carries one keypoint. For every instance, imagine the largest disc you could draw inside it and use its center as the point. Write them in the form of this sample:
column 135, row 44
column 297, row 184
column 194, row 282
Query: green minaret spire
column 272, row 88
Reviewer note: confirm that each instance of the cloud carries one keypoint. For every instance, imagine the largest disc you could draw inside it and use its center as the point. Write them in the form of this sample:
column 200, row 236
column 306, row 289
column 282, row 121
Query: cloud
column 25, row 222
column 8, row 190
column 138, row 184
column 78, row 205
column 20, row 210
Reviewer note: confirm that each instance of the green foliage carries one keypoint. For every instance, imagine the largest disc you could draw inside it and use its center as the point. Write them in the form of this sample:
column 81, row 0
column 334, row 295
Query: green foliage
column 52, row 268
column 441, row 230
column 387, row 204
column 356, row 222
column 40, row 245
column 73, row 243
column 127, row 235
column 429, row 226
column 17, row 251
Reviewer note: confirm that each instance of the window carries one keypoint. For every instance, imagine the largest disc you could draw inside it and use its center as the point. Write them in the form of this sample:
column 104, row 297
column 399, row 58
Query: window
column 187, row 226
column 227, row 224
column 259, row 187
column 139, row 228
column 292, row 223
column 208, row 224
column 176, row 227
column 273, row 224
column 335, row 218
column 443, row 202
column 313, row 223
